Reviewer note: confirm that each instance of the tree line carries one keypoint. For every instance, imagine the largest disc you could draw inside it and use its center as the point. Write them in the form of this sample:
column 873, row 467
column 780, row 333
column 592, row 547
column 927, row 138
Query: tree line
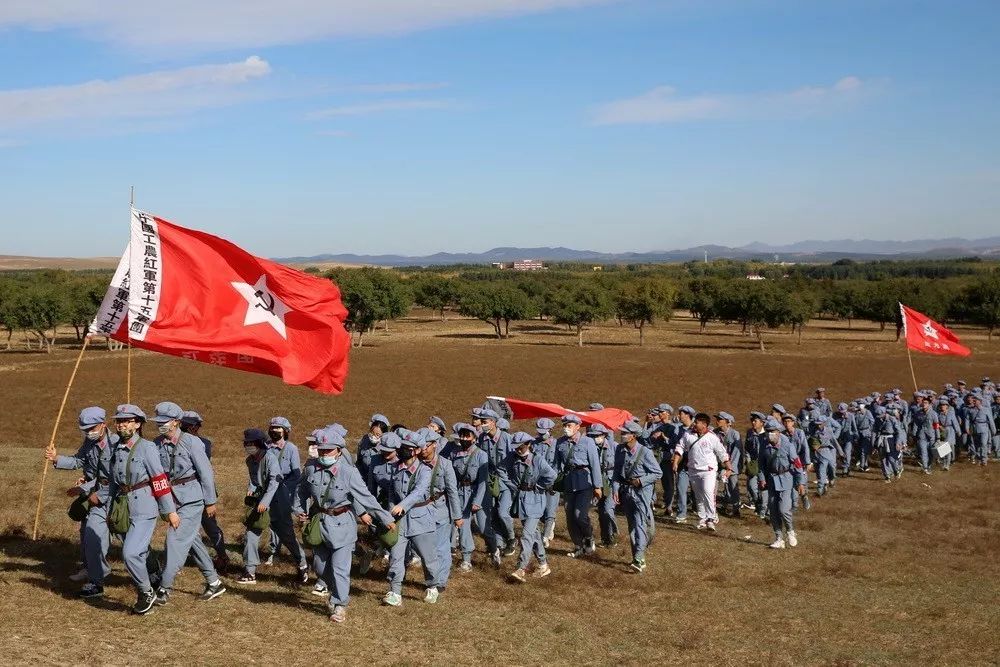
column 574, row 296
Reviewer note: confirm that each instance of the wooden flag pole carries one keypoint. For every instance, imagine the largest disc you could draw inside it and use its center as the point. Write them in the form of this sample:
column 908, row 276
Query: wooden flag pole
column 909, row 358
column 52, row 440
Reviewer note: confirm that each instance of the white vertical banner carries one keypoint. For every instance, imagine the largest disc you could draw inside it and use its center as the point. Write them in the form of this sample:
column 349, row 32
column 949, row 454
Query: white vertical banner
column 114, row 306
column 146, row 274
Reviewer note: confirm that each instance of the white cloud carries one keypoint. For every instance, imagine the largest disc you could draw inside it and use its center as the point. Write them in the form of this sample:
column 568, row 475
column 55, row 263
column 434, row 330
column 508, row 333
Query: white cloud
column 152, row 95
column 663, row 104
column 380, row 107
column 391, row 88
column 222, row 24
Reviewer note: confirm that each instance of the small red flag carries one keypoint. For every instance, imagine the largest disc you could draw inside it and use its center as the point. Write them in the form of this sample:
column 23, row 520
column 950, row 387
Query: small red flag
column 925, row 335
column 190, row 294
column 613, row 418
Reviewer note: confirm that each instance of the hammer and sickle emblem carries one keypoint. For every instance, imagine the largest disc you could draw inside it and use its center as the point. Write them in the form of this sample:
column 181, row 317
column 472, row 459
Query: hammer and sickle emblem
column 266, row 301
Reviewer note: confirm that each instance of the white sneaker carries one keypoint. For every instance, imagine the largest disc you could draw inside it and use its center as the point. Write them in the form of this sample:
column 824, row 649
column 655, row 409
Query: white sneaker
column 519, row 574
column 320, row 590
column 465, row 566
column 777, row 544
column 710, row 525
column 431, row 596
column 415, row 561
column 339, row 614
column 393, row 599
column 701, row 525
column 589, row 547
column 681, row 519
column 543, row 571
column 792, row 540
column 79, row 576
column 495, row 558
column 546, row 541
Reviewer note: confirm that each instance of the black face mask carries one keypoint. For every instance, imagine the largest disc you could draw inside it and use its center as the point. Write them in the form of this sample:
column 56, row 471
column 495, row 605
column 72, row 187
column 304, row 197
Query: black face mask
column 525, row 454
column 406, row 454
column 466, row 443
column 276, row 435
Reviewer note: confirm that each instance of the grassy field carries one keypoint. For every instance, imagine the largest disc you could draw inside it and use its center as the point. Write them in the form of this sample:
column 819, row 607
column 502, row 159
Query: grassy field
column 900, row 573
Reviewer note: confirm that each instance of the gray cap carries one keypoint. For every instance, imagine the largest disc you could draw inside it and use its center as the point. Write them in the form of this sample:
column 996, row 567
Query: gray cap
column 282, row 422
column 758, row 415
column 167, row 411
column 191, row 418
column 379, row 419
column 327, row 439
column 631, row 426
column 388, row 443
column 337, row 428
column 489, row 414
column 503, row 424
column 129, row 411
column 412, row 439
column 439, row 423
column 772, row 424
column 544, row 425
column 595, row 406
column 91, row 417
column 725, row 415
column 779, row 408
column 521, row 438
column 571, row 419
column 462, row 426
column 594, row 430
column 688, row 410
column 664, row 407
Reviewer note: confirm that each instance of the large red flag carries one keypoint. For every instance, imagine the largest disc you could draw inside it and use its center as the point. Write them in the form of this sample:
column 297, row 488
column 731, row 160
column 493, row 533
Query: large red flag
column 611, row 417
column 925, row 335
column 194, row 295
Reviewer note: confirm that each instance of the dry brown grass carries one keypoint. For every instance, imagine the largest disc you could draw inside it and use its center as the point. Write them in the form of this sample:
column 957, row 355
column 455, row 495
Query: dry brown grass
column 901, row 573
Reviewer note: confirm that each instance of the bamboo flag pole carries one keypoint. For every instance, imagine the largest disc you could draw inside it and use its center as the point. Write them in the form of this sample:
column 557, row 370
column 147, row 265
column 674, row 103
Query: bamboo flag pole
column 52, row 440
column 909, row 356
column 128, row 372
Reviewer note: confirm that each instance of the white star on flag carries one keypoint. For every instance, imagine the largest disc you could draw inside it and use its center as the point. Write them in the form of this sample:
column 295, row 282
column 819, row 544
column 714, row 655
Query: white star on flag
column 930, row 331
column 263, row 306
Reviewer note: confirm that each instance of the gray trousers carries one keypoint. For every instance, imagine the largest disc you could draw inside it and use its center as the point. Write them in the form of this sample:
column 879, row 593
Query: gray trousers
column 924, row 445
column 731, row 491
column 683, row 484
column 865, row 442
column 425, row 545
column 96, row 540
column 549, row 514
column 639, row 516
column 780, row 507
column 979, row 446
column 531, row 542
column 606, row 518
column 480, row 520
column 826, row 466
column 443, row 538
column 215, row 537
column 281, row 527
column 892, row 462
column 848, row 448
column 503, row 524
column 757, row 495
column 286, row 535
column 136, row 554
column 334, row 567
column 187, row 540
column 578, row 516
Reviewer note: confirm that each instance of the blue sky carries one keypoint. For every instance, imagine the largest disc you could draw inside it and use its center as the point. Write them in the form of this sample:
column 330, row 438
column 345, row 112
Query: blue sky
column 313, row 126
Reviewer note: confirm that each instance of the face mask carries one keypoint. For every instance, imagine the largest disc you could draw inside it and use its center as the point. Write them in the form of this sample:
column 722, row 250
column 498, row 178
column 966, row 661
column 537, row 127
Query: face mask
column 327, row 461
column 251, row 450
column 164, row 429
column 276, row 435
column 523, row 454
column 126, row 432
column 466, row 443
column 94, row 435
column 599, row 440
column 313, row 452
column 773, row 437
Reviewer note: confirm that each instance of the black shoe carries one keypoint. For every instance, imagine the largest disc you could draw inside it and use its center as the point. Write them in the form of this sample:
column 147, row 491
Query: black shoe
column 247, row 579
column 303, row 575
column 162, row 595
column 91, row 591
column 212, row 591
column 509, row 550
column 144, row 602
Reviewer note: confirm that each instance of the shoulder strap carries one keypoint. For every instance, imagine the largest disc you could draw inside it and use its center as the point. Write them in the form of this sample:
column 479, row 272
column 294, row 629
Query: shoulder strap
column 128, row 463
column 326, row 493
column 434, row 473
column 635, row 462
column 413, row 481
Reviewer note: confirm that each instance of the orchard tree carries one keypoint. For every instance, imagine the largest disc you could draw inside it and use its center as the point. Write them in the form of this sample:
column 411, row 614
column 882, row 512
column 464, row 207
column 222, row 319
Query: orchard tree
column 642, row 301
column 497, row 304
column 579, row 306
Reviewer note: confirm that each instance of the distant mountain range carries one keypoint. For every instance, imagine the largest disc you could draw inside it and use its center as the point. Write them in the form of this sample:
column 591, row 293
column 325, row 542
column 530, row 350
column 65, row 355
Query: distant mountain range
column 802, row 251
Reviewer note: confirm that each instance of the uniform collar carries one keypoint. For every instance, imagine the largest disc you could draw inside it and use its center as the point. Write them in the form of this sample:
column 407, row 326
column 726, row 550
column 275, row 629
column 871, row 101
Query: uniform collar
column 400, row 465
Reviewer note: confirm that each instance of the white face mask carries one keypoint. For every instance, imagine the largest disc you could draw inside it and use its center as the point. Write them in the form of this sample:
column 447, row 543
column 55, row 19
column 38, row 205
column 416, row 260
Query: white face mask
column 165, row 429
column 773, row 437
column 327, row 460
column 250, row 450
column 313, row 452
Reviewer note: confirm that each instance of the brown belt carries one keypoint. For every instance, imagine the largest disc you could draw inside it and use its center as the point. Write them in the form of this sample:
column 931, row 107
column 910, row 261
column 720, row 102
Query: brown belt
column 336, row 511
column 434, row 497
column 136, row 487
column 103, row 482
column 581, row 467
column 183, row 480
column 465, row 483
column 526, row 487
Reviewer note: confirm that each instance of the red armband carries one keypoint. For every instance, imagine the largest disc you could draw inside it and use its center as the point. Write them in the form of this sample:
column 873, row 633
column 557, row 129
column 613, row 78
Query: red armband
column 797, row 463
column 160, row 485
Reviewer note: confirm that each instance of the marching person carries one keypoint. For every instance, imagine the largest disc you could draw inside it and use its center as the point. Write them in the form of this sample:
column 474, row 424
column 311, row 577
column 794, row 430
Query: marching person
column 410, row 493
column 864, row 421
column 545, row 446
column 445, row 501
column 290, row 472
column 606, row 446
column 191, row 423
column 796, row 434
column 577, row 458
column 949, row 430
column 529, row 476
column 889, row 439
column 845, row 417
column 982, row 428
column 471, row 466
column 705, row 454
column 337, row 494
column 685, row 432
column 730, row 438
column 783, row 471
column 496, row 444
column 378, row 426
column 139, row 480
column 826, row 454
column 264, row 484
column 192, row 481
column 924, row 427
column 636, row 471
column 756, row 439
column 95, row 459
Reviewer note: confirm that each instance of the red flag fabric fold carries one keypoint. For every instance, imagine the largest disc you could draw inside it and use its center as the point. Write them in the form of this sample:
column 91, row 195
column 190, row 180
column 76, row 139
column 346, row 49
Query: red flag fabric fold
column 613, row 418
column 925, row 335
